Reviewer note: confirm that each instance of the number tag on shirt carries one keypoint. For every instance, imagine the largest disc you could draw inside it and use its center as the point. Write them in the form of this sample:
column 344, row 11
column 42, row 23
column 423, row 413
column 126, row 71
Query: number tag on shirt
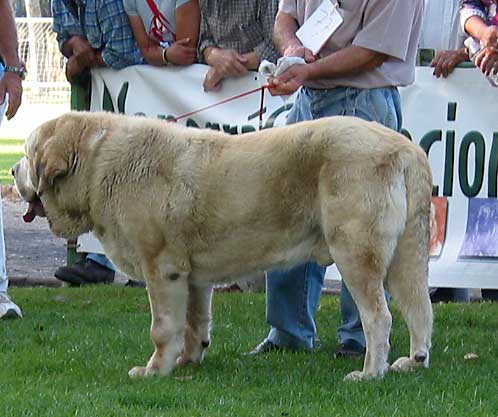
column 320, row 26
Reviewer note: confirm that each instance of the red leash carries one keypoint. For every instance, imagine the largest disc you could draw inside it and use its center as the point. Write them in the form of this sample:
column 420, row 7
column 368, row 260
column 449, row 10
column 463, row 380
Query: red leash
column 262, row 89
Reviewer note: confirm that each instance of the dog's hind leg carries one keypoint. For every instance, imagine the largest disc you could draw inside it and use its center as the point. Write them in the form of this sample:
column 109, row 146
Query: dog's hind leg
column 168, row 295
column 407, row 282
column 197, row 338
column 363, row 272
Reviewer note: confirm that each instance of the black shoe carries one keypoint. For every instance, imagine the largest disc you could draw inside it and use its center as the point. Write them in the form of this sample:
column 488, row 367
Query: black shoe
column 85, row 272
column 134, row 283
column 350, row 349
column 266, row 346
column 489, row 295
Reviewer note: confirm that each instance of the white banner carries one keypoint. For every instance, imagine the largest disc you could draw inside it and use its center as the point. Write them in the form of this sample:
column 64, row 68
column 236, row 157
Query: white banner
column 453, row 119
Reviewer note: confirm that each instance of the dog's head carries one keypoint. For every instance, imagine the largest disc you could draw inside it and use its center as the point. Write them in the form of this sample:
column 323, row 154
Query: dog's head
column 51, row 176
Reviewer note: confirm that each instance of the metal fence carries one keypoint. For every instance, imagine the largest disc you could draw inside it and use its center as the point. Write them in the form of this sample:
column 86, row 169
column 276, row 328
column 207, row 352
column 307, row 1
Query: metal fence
column 45, row 82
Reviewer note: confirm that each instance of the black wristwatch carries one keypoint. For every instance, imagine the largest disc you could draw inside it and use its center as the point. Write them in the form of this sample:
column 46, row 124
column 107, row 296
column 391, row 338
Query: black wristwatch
column 21, row 71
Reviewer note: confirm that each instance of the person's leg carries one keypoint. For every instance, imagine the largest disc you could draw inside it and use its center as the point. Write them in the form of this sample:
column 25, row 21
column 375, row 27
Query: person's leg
column 292, row 300
column 4, row 282
column 293, row 296
column 381, row 105
column 95, row 268
column 457, row 295
column 102, row 260
column 7, row 307
column 489, row 295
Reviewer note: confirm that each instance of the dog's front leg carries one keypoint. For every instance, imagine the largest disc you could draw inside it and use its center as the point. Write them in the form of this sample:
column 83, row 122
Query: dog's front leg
column 168, row 294
column 197, row 330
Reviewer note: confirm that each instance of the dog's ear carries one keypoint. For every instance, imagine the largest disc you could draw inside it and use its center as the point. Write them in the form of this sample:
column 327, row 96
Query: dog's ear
column 51, row 162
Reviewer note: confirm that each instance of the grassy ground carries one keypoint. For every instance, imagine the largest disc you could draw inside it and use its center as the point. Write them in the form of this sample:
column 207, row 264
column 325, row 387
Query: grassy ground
column 10, row 152
column 70, row 355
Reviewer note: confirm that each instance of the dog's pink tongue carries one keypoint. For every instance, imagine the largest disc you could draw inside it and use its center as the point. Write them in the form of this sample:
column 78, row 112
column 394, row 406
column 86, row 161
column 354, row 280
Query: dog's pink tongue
column 30, row 214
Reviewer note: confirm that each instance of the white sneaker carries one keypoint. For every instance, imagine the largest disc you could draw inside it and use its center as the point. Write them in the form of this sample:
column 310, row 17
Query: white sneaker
column 8, row 309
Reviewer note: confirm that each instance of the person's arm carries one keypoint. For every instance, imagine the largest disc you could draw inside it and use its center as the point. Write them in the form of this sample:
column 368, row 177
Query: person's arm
column 108, row 30
column 188, row 20
column 183, row 51
column 370, row 48
column 348, row 61
column 469, row 8
column 487, row 59
column 285, row 38
column 11, row 83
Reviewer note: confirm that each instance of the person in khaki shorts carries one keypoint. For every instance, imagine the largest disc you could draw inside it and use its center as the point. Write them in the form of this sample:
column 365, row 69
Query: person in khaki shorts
column 356, row 73
column 12, row 72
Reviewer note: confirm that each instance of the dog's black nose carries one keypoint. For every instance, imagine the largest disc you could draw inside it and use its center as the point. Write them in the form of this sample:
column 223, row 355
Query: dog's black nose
column 13, row 172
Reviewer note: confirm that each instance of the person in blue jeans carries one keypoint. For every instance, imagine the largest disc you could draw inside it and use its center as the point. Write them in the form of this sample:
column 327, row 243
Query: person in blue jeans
column 93, row 34
column 356, row 73
column 12, row 72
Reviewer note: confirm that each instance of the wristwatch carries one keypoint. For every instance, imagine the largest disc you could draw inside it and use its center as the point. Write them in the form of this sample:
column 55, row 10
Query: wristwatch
column 21, row 71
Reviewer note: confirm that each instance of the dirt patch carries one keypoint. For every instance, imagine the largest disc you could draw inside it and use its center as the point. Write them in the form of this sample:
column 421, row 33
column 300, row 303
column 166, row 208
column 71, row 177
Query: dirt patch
column 33, row 252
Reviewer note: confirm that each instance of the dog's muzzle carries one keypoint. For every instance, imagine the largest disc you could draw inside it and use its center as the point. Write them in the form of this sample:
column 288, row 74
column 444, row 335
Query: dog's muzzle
column 35, row 208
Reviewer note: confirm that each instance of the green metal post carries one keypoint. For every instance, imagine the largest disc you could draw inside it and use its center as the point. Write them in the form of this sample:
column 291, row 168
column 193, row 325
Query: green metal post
column 80, row 100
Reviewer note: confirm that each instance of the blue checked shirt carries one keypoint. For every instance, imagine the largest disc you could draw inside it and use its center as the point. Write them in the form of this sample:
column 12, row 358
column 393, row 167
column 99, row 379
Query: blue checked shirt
column 106, row 26
column 64, row 23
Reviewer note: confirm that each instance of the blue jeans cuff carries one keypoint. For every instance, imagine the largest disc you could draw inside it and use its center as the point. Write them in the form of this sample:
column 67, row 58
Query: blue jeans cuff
column 284, row 339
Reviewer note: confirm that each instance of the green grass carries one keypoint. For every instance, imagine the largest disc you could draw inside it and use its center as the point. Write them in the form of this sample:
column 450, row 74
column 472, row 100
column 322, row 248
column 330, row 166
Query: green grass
column 11, row 150
column 70, row 355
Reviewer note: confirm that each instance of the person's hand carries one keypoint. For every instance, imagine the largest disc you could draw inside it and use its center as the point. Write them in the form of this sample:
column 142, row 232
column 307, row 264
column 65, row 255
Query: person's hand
column 489, row 37
column 445, row 62
column 300, row 51
column 180, row 53
column 83, row 51
column 73, row 68
column 11, row 84
column 212, row 81
column 290, row 81
column 227, row 62
column 487, row 60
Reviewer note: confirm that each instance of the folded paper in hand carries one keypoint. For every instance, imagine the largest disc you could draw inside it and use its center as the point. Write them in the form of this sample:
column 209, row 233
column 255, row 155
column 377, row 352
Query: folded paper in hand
column 320, row 26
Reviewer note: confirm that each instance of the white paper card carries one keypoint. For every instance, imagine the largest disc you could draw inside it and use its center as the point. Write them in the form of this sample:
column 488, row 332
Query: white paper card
column 320, row 26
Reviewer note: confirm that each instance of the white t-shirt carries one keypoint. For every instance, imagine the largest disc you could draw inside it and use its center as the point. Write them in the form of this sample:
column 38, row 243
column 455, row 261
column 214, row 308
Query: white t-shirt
column 166, row 7
column 441, row 25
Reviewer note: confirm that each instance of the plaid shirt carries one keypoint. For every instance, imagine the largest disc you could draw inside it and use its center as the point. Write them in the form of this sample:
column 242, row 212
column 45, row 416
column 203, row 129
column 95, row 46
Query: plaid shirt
column 487, row 10
column 243, row 25
column 64, row 23
column 106, row 26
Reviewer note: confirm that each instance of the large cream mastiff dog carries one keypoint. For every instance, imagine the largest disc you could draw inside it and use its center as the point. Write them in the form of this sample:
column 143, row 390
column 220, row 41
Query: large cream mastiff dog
column 184, row 208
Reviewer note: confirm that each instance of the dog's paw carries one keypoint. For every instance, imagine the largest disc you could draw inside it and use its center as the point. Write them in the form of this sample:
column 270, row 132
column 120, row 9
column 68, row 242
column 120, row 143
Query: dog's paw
column 184, row 361
column 361, row 376
column 191, row 359
column 405, row 364
column 142, row 372
column 356, row 376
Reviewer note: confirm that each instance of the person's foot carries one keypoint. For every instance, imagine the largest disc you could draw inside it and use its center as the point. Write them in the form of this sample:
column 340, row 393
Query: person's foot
column 489, row 295
column 85, row 272
column 350, row 348
column 8, row 309
column 266, row 346
column 135, row 283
